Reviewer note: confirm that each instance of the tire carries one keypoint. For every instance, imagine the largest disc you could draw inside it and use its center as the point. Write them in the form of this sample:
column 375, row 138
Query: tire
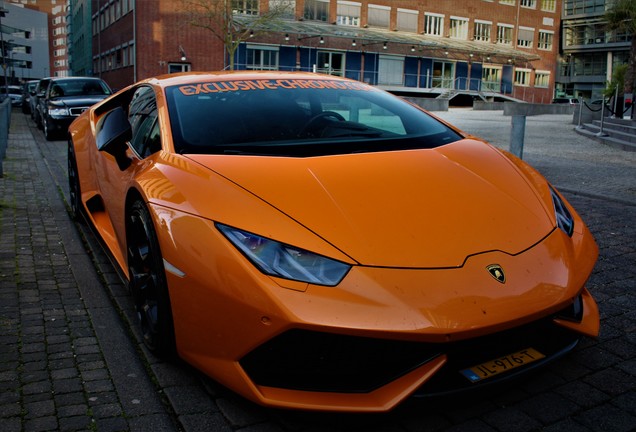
column 74, row 184
column 38, row 120
column 48, row 133
column 148, row 283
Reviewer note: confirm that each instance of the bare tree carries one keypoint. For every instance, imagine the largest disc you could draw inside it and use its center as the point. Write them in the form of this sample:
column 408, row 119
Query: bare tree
column 234, row 21
column 622, row 16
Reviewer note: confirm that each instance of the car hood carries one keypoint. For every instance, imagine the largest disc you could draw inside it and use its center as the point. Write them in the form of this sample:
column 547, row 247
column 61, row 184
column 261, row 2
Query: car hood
column 429, row 208
column 77, row 101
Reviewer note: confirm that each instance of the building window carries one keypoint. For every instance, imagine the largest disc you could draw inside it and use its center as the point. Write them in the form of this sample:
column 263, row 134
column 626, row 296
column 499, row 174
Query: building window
column 348, row 13
column 332, row 63
column 131, row 54
column 525, row 37
column 284, row 8
column 522, row 77
column 482, row 31
column 590, row 64
column 491, row 78
column 391, row 70
column 433, row 24
column 548, row 5
column 178, row 67
column 542, row 79
column 546, row 39
column 317, row 10
column 245, row 7
column 262, row 58
column 379, row 16
column 531, row 4
column 504, row 34
column 507, row 2
column 407, row 20
column 459, row 28
column 576, row 7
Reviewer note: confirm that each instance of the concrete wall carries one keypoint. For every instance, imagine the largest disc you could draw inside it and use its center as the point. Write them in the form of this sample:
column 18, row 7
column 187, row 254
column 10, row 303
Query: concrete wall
column 515, row 108
column 529, row 109
column 479, row 105
column 429, row 104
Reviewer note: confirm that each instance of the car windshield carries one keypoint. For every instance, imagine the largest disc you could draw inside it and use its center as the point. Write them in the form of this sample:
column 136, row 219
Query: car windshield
column 293, row 117
column 79, row 87
column 12, row 91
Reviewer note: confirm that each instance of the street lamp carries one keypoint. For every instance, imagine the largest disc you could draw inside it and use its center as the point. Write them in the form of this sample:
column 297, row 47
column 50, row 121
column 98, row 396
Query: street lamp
column 10, row 54
column 3, row 12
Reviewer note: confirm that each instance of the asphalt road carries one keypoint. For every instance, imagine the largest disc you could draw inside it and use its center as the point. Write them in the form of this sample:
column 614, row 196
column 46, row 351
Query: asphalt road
column 592, row 389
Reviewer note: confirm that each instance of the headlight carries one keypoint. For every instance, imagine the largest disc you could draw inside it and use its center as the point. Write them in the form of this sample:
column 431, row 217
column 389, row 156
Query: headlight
column 285, row 261
column 565, row 221
column 58, row 111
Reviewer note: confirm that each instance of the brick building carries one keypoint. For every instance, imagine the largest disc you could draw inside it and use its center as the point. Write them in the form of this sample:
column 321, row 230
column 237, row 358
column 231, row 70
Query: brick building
column 481, row 48
column 133, row 40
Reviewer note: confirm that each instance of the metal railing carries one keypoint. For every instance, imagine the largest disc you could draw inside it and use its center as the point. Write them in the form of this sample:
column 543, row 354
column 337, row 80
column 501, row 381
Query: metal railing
column 5, row 121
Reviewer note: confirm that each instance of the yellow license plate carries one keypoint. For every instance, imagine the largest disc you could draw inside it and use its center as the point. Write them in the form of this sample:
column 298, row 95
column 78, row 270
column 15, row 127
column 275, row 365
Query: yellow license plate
column 502, row 364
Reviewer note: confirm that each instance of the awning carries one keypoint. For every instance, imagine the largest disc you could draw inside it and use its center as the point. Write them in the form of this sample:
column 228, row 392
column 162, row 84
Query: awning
column 301, row 33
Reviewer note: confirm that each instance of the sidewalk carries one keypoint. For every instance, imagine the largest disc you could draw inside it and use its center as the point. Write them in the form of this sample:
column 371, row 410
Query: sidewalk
column 55, row 318
column 71, row 357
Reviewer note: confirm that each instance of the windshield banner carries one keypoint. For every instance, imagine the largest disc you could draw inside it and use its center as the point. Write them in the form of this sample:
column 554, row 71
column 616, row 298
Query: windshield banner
column 243, row 85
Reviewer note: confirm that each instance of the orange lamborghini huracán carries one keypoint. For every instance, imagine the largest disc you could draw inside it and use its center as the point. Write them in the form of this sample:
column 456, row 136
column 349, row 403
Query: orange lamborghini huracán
column 313, row 242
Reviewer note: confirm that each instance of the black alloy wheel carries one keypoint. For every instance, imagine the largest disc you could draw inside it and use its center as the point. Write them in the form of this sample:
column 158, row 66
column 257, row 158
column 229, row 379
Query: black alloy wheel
column 74, row 184
column 148, row 282
column 46, row 126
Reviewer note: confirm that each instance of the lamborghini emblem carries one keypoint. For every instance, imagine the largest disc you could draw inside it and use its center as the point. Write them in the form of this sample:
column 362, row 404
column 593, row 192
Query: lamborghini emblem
column 497, row 272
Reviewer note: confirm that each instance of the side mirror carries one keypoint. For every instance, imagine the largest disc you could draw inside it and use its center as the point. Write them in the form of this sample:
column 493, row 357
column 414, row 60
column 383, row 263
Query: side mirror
column 113, row 134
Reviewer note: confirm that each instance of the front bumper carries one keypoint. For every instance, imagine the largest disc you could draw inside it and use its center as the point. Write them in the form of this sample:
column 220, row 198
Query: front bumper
column 59, row 123
column 379, row 337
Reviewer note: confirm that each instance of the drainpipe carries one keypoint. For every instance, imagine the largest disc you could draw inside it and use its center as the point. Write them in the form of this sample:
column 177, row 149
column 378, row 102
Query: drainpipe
column 135, row 41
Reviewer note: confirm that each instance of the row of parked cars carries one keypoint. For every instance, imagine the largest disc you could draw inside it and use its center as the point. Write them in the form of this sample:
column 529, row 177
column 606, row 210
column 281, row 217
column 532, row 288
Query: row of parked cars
column 54, row 102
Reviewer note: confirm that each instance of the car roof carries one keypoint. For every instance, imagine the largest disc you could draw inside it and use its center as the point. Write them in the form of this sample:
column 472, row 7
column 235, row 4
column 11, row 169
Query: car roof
column 72, row 78
column 197, row 77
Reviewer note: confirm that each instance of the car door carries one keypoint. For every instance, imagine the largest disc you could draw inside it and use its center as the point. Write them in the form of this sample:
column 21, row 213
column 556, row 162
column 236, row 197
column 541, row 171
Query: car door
column 114, row 182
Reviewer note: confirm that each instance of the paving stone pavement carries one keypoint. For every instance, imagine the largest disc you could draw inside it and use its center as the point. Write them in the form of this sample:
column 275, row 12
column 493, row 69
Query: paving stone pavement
column 71, row 357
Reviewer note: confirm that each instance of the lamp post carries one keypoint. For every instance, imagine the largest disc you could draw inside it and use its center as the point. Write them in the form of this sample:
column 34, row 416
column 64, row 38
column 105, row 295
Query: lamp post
column 10, row 54
column 3, row 12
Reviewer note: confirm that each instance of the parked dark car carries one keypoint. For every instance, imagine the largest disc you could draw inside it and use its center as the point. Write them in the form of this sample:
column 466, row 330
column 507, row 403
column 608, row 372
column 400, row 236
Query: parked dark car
column 64, row 99
column 28, row 88
column 15, row 93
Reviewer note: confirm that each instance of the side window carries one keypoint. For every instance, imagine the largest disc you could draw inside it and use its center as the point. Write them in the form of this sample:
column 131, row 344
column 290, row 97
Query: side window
column 142, row 115
column 42, row 86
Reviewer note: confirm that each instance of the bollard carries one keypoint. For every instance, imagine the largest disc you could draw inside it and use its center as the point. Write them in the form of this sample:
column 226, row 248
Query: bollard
column 601, row 133
column 517, row 135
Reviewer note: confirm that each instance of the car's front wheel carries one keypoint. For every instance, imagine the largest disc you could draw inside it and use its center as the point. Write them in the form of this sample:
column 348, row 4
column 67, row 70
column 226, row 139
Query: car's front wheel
column 148, row 282
column 48, row 130
column 73, row 183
